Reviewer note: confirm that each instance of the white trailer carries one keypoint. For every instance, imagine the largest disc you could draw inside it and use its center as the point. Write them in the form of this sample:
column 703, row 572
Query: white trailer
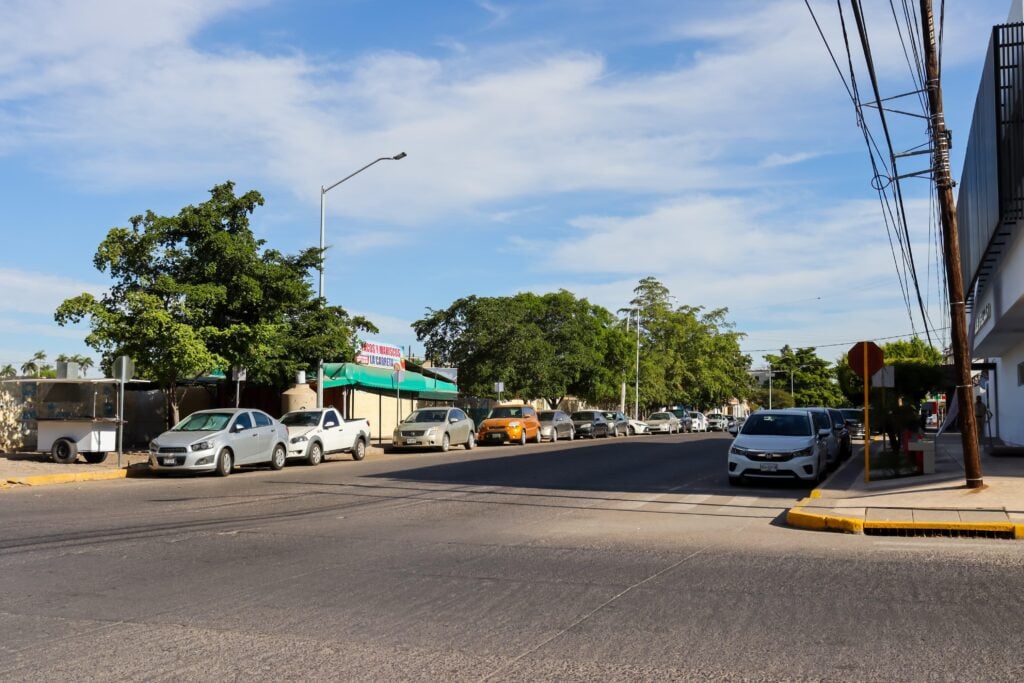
column 64, row 439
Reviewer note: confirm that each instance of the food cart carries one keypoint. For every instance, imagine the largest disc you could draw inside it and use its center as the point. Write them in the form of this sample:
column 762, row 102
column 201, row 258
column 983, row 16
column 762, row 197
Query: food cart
column 77, row 416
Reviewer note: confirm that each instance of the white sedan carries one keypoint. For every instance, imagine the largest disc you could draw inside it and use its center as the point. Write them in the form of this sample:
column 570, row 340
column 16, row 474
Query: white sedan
column 698, row 422
column 663, row 423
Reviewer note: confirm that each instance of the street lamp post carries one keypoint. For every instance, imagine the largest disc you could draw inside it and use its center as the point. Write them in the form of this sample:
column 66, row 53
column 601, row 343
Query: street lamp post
column 323, row 195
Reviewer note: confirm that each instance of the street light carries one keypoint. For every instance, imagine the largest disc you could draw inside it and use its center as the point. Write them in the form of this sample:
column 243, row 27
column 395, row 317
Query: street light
column 323, row 259
column 636, row 399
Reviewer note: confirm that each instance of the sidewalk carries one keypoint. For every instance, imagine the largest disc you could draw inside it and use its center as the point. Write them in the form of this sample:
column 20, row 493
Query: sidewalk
column 934, row 504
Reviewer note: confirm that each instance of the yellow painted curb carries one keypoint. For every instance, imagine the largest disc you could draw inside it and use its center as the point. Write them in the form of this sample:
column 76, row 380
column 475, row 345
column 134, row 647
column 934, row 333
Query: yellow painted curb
column 1004, row 527
column 47, row 479
column 816, row 493
column 810, row 520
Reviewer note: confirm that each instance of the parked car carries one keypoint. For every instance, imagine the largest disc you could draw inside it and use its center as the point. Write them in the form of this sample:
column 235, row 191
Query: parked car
column 717, row 422
column 590, row 423
column 778, row 444
column 685, row 421
column 312, row 434
column 555, row 425
column 823, row 425
column 219, row 440
column 736, row 424
column 637, row 427
column 841, row 432
column 664, row 423
column 698, row 423
column 854, row 418
column 514, row 423
column 439, row 428
column 619, row 422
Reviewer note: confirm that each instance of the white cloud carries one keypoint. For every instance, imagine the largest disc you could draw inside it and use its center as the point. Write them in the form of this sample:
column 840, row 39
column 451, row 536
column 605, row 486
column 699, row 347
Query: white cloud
column 775, row 159
column 39, row 293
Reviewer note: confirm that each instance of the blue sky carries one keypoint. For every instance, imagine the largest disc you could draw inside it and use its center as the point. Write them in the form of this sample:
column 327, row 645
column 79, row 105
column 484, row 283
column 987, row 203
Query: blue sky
column 581, row 144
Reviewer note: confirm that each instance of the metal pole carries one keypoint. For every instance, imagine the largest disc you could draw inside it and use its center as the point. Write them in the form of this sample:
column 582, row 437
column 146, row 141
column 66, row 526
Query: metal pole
column 323, row 195
column 636, row 399
column 120, row 410
column 320, row 365
column 867, row 419
column 951, row 246
column 771, row 373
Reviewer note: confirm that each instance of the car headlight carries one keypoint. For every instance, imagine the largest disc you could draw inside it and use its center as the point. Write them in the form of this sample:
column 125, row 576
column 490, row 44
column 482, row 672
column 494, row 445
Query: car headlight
column 804, row 452
column 736, row 450
column 432, row 431
column 513, row 425
column 153, row 447
column 300, row 439
column 202, row 446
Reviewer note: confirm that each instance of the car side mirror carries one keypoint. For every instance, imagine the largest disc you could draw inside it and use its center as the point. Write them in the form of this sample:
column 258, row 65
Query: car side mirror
column 237, row 427
column 453, row 420
column 824, row 433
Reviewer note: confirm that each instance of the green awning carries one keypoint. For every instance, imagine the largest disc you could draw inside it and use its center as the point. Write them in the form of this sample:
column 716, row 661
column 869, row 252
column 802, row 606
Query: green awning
column 378, row 380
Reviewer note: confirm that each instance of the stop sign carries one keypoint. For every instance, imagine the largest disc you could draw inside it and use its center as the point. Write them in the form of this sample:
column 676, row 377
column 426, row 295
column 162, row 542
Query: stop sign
column 856, row 357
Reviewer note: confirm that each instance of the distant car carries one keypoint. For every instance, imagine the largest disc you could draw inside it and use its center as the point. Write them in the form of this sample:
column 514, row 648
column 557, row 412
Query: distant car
column 698, row 423
column 637, row 427
column 439, row 428
column 219, row 440
column 717, row 422
column 514, row 423
column 663, row 423
column 314, row 433
column 854, row 421
column 555, row 425
column 736, row 424
column 842, row 433
column 823, row 425
column 618, row 421
column 590, row 423
column 685, row 421
column 778, row 444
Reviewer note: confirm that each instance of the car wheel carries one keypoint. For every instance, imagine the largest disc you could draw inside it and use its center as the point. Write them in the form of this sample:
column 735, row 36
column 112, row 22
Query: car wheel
column 572, row 434
column 278, row 457
column 471, row 442
column 631, row 431
column 554, row 435
column 537, row 438
column 64, row 451
column 522, row 438
column 445, row 443
column 316, row 454
column 359, row 450
column 225, row 463
column 615, row 432
column 95, row 458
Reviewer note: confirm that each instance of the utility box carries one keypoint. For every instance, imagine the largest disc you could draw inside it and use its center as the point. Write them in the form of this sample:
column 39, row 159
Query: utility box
column 923, row 453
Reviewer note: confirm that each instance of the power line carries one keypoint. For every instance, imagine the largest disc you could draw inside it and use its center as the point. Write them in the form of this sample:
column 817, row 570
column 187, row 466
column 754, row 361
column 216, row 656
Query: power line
column 845, row 343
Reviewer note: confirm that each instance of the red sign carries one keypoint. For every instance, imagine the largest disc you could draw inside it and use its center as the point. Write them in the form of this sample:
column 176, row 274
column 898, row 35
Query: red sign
column 875, row 358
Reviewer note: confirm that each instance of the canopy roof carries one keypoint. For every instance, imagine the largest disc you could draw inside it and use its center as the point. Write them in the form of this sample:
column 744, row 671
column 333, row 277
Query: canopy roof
column 379, row 380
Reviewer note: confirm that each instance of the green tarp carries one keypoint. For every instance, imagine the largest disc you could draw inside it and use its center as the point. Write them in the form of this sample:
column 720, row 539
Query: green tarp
column 378, row 380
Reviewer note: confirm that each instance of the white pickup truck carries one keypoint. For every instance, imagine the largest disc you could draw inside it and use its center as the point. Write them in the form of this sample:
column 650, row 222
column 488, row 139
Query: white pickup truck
column 314, row 433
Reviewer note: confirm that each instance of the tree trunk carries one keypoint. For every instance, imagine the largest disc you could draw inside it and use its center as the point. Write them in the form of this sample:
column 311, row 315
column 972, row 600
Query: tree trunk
column 171, row 396
column 553, row 402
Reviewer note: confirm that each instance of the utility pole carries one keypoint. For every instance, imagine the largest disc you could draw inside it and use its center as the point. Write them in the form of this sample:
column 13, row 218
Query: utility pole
column 951, row 245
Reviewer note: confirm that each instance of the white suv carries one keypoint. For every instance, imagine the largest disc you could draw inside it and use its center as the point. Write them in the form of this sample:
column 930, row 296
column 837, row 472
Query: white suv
column 778, row 444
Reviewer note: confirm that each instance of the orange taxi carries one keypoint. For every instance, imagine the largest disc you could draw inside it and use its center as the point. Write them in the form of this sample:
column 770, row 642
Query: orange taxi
column 515, row 423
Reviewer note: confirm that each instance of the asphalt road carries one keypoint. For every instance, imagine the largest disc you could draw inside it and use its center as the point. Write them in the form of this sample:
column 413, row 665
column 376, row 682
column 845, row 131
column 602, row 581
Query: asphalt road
column 627, row 559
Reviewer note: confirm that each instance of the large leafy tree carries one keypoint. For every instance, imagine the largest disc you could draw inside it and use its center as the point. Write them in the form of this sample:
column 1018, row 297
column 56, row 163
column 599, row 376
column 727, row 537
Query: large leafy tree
column 917, row 371
column 547, row 346
column 687, row 354
column 813, row 379
column 197, row 291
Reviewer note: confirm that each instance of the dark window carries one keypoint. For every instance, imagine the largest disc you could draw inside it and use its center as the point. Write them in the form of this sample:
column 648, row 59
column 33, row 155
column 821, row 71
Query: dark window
column 821, row 420
column 262, row 419
column 458, row 414
column 243, row 421
column 331, row 419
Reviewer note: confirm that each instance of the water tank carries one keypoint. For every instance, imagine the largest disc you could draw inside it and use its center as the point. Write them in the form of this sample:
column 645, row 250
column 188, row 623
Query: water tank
column 299, row 397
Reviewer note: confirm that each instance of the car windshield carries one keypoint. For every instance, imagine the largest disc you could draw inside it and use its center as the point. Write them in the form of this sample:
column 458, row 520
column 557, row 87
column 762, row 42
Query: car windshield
column 203, row 422
column 610, row 416
column 854, row 414
column 507, row 411
column 305, row 418
column 660, row 416
column 427, row 416
column 583, row 416
column 777, row 425
column 546, row 416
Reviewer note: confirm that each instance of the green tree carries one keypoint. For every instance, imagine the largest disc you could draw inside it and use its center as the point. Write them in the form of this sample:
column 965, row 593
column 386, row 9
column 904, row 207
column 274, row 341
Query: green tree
column 8, row 371
column 34, row 366
column 917, row 370
column 197, row 291
column 813, row 378
column 547, row 346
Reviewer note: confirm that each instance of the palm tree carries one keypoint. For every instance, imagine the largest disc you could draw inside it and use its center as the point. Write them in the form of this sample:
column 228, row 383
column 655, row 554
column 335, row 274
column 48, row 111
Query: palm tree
column 84, row 362
column 31, row 366
column 8, row 371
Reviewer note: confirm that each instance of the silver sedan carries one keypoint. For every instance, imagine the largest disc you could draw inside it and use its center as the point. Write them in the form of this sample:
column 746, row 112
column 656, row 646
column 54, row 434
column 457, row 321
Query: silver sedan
column 218, row 440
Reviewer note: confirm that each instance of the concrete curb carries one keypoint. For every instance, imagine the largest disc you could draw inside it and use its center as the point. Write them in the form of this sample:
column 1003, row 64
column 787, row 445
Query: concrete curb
column 49, row 479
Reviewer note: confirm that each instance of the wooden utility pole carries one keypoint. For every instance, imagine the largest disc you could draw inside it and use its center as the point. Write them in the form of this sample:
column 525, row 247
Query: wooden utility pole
column 951, row 247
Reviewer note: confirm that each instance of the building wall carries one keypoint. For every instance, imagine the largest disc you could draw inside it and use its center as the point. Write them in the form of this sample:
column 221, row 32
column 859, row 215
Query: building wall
column 1007, row 398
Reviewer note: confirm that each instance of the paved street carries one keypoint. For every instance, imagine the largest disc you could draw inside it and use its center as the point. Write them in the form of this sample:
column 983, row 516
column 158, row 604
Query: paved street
column 623, row 559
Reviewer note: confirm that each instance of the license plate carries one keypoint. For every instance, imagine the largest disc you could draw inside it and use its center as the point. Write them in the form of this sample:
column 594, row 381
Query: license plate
column 408, row 441
column 769, row 467
column 170, row 461
column 495, row 437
